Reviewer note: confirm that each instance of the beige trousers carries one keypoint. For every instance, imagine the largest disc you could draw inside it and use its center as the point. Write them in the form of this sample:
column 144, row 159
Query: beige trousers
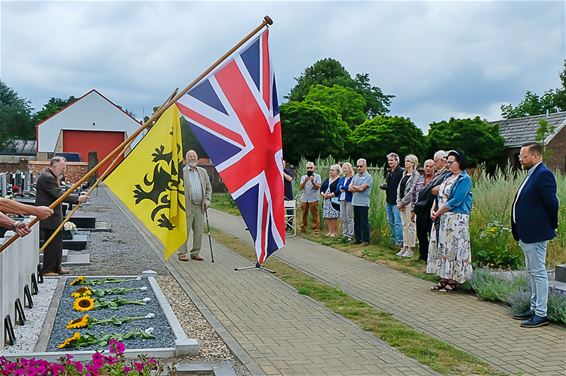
column 409, row 227
column 195, row 222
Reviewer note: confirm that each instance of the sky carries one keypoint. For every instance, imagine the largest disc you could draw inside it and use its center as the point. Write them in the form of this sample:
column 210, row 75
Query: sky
column 440, row 59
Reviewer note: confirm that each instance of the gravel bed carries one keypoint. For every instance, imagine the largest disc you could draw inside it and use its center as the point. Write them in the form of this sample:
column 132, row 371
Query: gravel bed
column 123, row 251
column 164, row 336
column 27, row 335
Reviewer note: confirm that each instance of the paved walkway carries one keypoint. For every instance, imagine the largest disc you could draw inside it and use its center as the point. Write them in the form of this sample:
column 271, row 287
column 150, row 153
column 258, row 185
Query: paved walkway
column 480, row 328
column 283, row 332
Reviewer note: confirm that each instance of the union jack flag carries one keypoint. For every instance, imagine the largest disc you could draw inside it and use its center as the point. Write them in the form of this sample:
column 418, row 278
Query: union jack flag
column 234, row 114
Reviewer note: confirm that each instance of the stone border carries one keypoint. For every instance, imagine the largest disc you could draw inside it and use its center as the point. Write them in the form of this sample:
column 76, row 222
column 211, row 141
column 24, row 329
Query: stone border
column 183, row 344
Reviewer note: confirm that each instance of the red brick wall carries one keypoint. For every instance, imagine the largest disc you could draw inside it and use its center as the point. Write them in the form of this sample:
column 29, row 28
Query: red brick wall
column 21, row 165
column 75, row 170
column 557, row 149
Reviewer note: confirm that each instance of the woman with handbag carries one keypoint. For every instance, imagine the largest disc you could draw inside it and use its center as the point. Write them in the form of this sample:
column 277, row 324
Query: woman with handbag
column 328, row 191
column 345, row 199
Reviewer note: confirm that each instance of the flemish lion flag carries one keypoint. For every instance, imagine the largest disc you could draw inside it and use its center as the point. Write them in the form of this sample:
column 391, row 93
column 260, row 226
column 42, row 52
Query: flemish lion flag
column 150, row 182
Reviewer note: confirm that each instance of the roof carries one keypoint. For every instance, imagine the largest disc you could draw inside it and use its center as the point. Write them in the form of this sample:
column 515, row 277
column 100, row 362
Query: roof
column 20, row 147
column 519, row 131
column 78, row 99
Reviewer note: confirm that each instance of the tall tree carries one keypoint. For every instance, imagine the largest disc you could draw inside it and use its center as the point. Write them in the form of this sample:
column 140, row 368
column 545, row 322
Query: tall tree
column 328, row 72
column 346, row 101
column 560, row 96
column 52, row 106
column 479, row 141
column 311, row 130
column 15, row 117
column 377, row 137
column 532, row 104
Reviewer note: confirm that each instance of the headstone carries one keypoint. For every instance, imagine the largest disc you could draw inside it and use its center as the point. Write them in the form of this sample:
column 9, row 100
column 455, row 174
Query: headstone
column 560, row 274
column 3, row 185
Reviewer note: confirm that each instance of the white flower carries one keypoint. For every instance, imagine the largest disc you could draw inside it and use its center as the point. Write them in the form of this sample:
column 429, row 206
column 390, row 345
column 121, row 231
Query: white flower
column 150, row 316
column 70, row 226
column 146, row 299
column 149, row 330
column 143, row 288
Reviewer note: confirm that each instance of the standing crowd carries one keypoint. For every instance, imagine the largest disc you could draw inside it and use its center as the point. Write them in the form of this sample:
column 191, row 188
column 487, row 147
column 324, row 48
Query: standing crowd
column 434, row 208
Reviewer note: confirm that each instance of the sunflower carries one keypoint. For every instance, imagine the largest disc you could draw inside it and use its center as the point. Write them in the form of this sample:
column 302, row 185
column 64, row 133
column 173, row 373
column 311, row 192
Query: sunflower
column 84, row 303
column 68, row 341
column 83, row 291
column 79, row 281
column 78, row 323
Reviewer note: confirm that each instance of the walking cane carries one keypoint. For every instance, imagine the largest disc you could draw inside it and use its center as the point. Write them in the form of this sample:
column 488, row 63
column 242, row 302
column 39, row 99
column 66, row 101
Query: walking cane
column 209, row 237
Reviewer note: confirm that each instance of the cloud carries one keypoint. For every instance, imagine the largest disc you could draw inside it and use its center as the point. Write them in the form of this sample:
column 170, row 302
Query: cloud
column 439, row 59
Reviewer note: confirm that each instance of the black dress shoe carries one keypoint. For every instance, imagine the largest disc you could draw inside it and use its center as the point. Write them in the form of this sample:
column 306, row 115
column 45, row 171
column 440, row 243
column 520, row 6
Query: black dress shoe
column 526, row 315
column 535, row 322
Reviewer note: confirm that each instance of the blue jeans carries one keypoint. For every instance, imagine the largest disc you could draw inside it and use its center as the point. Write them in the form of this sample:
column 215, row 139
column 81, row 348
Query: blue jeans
column 394, row 219
column 535, row 262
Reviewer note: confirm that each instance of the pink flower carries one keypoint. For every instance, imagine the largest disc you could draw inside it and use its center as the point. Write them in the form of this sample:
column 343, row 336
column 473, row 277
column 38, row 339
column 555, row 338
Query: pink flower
column 78, row 366
column 97, row 360
column 138, row 366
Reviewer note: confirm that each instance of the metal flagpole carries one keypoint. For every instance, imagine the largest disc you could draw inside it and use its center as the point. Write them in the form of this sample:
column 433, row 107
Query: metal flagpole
column 209, row 237
column 266, row 21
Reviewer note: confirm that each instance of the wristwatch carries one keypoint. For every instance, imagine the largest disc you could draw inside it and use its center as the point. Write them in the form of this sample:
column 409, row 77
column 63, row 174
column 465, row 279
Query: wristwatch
column 15, row 226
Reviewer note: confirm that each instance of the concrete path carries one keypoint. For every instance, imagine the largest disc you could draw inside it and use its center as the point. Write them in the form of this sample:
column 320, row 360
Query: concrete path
column 480, row 328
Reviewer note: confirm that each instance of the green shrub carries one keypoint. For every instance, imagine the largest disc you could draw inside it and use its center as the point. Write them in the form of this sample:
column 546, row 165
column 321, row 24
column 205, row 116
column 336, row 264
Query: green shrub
column 557, row 307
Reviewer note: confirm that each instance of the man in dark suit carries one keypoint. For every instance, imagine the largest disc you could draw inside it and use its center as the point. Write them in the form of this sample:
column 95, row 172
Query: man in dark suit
column 534, row 222
column 48, row 191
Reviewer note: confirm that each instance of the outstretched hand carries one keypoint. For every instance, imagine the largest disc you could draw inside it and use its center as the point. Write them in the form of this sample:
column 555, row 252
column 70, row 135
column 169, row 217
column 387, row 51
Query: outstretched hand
column 43, row 212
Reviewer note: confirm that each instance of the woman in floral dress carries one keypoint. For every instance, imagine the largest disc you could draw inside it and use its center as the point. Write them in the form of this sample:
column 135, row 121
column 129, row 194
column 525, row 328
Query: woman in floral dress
column 450, row 255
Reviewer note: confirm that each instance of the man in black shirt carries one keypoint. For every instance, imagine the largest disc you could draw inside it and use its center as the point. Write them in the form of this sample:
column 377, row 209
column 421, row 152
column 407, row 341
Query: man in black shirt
column 392, row 180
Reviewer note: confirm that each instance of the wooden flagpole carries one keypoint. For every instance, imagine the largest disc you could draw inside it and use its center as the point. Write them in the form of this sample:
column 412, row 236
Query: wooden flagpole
column 266, row 21
column 101, row 178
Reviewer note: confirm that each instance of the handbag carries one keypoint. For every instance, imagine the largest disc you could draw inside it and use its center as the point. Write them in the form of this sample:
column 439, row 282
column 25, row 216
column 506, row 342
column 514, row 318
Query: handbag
column 335, row 203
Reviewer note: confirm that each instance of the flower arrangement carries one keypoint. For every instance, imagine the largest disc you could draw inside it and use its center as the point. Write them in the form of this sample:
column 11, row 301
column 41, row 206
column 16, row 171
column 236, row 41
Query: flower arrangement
column 86, row 303
column 112, row 364
column 86, row 321
column 69, row 226
column 81, row 280
column 82, row 340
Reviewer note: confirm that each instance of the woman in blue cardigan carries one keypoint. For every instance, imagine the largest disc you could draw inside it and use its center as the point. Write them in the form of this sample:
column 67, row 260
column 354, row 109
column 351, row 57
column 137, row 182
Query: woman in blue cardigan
column 450, row 255
column 345, row 199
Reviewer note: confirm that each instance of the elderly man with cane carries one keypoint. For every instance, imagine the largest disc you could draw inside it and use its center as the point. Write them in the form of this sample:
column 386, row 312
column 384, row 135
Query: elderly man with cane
column 198, row 194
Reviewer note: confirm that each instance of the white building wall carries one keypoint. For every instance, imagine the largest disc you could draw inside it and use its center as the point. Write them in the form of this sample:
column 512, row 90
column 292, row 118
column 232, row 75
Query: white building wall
column 91, row 112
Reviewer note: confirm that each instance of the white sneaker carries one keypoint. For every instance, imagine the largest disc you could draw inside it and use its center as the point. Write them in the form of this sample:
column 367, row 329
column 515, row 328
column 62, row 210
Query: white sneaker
column 408, row 253
column 401, row 252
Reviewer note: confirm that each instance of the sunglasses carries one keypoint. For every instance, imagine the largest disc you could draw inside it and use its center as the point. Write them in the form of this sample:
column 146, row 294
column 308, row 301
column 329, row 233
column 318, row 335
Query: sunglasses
column 359, row 166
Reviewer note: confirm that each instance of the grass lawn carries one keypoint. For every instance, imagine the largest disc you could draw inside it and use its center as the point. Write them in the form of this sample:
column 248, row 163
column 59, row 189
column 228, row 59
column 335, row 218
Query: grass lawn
column 438, row 355
column 224, row 202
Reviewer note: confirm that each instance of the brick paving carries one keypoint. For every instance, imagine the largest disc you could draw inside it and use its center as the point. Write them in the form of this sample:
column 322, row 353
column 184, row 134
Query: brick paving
column 283, row 332
column 480, row 328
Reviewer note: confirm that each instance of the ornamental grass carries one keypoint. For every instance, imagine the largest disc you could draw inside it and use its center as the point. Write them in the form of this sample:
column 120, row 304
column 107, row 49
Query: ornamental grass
column 492, row 243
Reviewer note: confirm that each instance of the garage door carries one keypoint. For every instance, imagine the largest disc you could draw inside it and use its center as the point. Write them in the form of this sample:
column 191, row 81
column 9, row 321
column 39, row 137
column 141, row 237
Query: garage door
column 83, row 142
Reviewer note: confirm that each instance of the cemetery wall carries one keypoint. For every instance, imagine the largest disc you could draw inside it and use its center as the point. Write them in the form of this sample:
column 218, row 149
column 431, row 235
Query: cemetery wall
column 75, row 170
